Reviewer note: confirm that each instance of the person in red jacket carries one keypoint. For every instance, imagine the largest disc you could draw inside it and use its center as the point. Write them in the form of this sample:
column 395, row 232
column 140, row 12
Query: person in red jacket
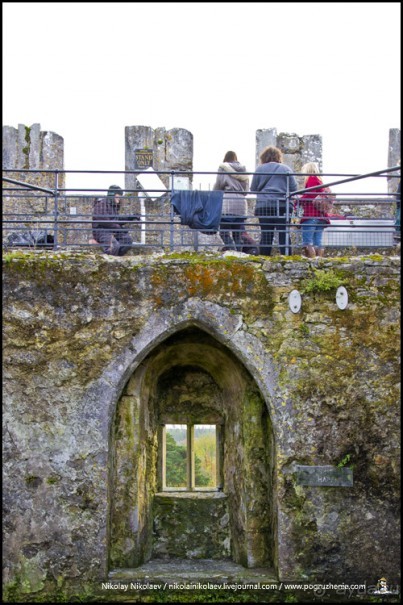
column 313, row 220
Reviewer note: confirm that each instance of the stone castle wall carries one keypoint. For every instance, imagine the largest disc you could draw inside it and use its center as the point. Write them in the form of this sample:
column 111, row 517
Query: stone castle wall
column 297, row 150
column 30, row 148
column 91, row 345
column 394, row 156
column 89, row 338
column 169, row 149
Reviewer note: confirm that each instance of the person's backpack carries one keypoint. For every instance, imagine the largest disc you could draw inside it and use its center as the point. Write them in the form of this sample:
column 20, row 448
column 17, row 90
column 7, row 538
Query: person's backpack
column 249, row 246
column 324, row 201
column 31, row 239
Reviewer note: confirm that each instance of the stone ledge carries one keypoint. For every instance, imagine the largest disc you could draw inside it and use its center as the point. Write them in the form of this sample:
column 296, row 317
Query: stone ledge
column 191, row 495
column 193, row 570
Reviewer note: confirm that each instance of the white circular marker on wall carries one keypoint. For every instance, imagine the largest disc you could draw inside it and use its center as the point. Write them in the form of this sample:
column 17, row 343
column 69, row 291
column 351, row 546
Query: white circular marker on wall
column 341, row 297
column 294, row 300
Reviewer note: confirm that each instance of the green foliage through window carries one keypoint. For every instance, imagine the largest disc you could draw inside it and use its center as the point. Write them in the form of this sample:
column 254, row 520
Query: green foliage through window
column 204, row 456
column 175, row 463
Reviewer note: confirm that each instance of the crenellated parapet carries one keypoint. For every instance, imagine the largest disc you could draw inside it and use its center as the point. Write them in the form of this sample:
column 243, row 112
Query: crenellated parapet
column 30, row 148
column 297, row 150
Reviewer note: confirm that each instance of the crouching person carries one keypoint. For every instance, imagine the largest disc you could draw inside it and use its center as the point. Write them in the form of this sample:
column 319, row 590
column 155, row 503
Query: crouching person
column 107, row 223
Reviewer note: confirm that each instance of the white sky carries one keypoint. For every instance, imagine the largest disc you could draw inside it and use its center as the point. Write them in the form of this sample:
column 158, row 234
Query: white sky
column 85, row 70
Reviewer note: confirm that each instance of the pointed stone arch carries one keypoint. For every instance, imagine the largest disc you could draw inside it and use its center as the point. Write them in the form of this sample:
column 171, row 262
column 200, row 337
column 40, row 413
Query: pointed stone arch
column 207, row 340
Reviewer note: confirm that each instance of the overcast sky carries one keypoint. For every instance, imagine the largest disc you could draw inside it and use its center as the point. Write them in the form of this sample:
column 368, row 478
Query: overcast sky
column 220, row 70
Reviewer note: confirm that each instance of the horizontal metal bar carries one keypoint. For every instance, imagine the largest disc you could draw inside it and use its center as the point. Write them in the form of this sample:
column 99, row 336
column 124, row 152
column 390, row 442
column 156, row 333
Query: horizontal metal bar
column 27, row 211
column 28, row 186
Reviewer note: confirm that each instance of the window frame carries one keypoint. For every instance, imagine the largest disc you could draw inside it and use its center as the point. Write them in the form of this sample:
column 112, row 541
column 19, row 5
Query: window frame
column 190, row 458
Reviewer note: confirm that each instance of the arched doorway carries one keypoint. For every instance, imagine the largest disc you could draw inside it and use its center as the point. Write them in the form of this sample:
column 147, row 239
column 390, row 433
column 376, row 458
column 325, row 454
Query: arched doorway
column 191, row 380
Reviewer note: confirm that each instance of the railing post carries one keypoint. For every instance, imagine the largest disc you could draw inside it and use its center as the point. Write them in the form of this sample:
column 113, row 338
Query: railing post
column 287, row 219
column 171, row 213
column 56, row 211
column 61, row 226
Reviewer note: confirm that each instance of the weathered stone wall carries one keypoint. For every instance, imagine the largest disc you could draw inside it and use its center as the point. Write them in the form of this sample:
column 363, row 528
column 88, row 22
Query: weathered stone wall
column 394, row 156
column 165, row 150
column 297, row 150
column 30, row 148
column 88, row 336
column 171, row 150
column 191, row 526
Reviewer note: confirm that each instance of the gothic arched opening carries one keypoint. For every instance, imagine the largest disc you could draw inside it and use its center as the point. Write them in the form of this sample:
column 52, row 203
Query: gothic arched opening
column 192, row 381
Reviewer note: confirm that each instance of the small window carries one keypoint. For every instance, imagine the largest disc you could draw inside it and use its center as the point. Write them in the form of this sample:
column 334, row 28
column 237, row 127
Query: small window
column 190, row 457
column 176, row 454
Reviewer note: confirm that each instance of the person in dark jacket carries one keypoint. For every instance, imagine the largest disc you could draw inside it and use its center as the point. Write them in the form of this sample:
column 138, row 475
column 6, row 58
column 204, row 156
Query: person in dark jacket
column 107, row 224
column 272, row 182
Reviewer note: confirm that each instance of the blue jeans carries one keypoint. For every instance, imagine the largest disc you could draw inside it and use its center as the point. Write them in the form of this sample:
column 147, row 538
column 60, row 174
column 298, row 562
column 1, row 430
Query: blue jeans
column 312, row 232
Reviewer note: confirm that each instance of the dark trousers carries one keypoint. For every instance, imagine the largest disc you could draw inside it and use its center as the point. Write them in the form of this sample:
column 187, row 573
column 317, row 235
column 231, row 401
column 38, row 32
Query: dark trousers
column 116, row 243
column 230, row 232
column 268, row 224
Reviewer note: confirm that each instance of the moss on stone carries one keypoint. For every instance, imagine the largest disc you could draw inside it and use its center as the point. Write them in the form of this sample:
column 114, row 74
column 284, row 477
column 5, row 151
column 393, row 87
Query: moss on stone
column 217, row 280
column 332, row 389
column 27, row 148
column 322, row 282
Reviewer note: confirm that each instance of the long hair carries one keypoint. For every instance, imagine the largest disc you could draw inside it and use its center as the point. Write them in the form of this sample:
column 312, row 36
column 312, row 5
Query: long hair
column 271, row 154
column 310, row 168
column 230, row 156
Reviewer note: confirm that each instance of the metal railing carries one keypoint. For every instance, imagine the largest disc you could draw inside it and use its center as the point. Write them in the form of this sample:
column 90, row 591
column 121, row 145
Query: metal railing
column 39, row 213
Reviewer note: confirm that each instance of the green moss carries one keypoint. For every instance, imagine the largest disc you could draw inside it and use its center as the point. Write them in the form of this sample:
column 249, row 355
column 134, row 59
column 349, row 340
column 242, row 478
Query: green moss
column 285, row 259
column 323, row 281
column 11, row 591
column 304, row 330
column 344, row 461
column 326, row 370
column 214, row 279
column 374, row 257
column 52, row 480
column 33, row 481
column 26, row 149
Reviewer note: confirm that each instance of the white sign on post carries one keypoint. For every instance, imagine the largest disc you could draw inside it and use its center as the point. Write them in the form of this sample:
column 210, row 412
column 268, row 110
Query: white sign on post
column 181, row 183
column 150, row 182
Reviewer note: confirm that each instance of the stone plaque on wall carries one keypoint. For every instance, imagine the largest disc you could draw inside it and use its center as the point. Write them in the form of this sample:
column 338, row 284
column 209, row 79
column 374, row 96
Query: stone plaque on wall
column 143, row 158
column 324, row 476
